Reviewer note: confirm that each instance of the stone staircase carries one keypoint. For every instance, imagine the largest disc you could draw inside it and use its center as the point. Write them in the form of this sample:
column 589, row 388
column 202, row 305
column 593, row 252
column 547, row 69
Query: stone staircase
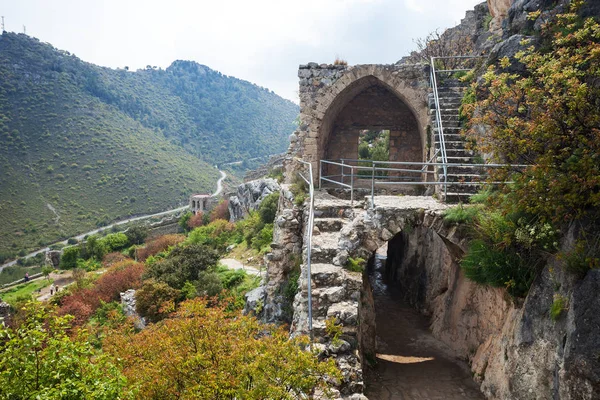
column 335, row 292
column 450, row 93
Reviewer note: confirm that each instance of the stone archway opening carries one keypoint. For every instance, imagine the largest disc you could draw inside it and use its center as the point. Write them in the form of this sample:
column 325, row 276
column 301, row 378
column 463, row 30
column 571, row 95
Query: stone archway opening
column 369, row 105
column 408, row 362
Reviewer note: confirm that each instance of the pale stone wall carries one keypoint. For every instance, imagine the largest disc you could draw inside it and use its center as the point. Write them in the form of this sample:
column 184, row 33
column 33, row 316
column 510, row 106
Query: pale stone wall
column 393, row 95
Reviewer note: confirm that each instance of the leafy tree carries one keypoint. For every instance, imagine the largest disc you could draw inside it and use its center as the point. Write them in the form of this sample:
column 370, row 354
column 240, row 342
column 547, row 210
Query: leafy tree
column 137, row 234
column 206, row 352
column 268, row 208
column 40, row 361
column 184, row 219
column 47, row 270
column 218, row 234
column 155, row 300
column 115, row 241
column 183, row 264
column 94, row 248
column 196, row 220
column 69, row 257
column 221, row 211
column 548, row 118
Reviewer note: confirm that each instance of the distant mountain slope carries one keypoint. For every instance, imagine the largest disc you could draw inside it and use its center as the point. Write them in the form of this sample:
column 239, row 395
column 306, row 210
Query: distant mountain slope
column 81, row 145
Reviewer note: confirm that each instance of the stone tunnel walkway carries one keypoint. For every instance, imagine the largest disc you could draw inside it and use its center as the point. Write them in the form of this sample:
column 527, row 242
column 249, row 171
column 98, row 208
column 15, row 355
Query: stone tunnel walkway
column 411, row 363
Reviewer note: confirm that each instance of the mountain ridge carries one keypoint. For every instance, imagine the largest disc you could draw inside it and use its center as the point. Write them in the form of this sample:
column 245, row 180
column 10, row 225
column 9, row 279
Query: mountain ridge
column 96, row 144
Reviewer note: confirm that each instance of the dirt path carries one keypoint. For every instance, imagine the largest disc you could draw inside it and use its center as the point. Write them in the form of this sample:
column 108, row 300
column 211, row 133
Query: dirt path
column 235, row 264
column 60, row 281
column 411, row 363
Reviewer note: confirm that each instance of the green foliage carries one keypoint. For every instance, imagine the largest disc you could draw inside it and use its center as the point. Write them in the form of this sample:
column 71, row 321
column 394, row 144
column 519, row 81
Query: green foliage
column 184, row 220
column 183, row 264
column 333, row 330
column 584, row 255
column 262, row 241
column 136, row 234
column 218, row 235
column 69, row 257
column 88, row 265
column 40, row 361
column 355, row 264
column 155, row 300
column 208, row 352
column 486, row 21
column 496, row 267
column 547, row 118
column 47, row 270
column 268, row 208
column 460, row 214
column 94, row 247
column 209, row 284
column 559, row 305
column 115, row 241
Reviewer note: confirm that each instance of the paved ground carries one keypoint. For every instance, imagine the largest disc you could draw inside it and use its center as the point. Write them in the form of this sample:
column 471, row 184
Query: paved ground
column 235, row 264
column 60, row 281
column 411, row 363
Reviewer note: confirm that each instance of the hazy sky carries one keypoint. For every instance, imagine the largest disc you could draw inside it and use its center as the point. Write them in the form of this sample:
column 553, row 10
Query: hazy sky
column 262, row 41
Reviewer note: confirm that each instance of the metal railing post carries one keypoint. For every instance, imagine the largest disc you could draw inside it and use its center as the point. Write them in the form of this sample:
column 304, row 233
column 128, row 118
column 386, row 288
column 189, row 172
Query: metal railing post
column 352, row 186
column 343, row 169
column 320, row 172
column 373, row 184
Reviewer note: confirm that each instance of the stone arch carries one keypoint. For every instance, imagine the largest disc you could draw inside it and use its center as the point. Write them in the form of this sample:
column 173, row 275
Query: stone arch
column 325, row 90
column 346, row 95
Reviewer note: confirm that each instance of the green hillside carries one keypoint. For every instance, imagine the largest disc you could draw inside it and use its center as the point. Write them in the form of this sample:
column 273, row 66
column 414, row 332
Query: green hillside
column 82, row 145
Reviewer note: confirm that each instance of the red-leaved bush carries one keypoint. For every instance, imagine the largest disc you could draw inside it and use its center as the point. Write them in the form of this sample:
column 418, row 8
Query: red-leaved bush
column 120, row 277
column 221, row 211
column 196, row 220
column 157, row 245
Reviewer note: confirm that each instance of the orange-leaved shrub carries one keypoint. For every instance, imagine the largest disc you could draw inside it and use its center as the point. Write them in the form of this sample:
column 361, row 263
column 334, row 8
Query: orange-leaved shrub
column 157, row 245
column 196, row 220
column 221, row 211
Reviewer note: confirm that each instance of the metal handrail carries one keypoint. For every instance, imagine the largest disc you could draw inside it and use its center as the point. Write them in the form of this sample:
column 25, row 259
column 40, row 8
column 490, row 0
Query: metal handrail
column 311, row 221
column 438, row 117
column 438, row 113
column 374, row 177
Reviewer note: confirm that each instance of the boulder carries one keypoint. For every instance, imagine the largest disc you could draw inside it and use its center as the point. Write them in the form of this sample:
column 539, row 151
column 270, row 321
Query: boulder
column 249, row 195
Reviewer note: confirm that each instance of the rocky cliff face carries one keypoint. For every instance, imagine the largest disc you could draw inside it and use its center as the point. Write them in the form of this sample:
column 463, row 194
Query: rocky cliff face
column 249, row 195
column 516, row 350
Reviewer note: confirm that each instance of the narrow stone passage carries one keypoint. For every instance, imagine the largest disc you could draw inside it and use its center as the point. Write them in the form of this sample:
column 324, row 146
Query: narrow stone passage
column 411, row 363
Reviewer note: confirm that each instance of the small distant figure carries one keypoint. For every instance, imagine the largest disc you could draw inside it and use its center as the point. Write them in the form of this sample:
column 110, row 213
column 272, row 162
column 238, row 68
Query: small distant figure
column 26, row 277
column 53, row 289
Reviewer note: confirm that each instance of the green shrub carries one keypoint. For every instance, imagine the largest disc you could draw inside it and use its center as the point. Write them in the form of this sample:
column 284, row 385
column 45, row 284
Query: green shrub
column 115, row 241
column 263, row 239
column 490, row 265
column 155, row 300
column 69, row 257
column 355, row 264
column 268, row 208
column 460, row 214
column 559, row 305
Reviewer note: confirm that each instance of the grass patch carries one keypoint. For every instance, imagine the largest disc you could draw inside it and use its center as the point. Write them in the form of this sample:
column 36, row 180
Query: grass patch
column 460, row 214
column 355, row 264
column 16, row 272
column 559, row 305
column 25, row 290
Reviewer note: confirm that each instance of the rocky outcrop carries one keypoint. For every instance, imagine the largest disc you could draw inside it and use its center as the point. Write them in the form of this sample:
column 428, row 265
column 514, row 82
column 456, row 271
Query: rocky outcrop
column 498, row 10
column 249, row 195
column 128, row 304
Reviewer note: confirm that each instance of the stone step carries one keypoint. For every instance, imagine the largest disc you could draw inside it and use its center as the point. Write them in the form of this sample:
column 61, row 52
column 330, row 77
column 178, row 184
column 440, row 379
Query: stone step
column 466, row 189
column 334, row 212
column 448, row 102
column 457, row 197
column 451, row 144
column 330, row 224
column 465, row 177
column 451, row 137
column 449, row 118
column 459, row 152
column 326, row 275
column 463, row 169
column 457, row 160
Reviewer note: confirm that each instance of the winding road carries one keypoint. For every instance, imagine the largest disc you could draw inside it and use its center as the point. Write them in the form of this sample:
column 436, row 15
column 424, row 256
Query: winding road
column 125, row 221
